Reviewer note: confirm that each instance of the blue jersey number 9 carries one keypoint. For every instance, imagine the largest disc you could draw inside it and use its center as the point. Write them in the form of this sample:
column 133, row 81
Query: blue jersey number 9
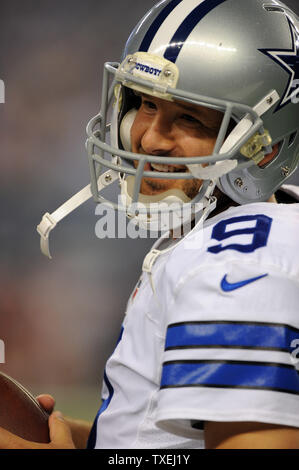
column 260, row 233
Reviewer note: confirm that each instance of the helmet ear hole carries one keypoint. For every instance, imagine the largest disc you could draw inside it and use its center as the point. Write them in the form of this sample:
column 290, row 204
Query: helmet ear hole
column 270, row 156
column 125, row 129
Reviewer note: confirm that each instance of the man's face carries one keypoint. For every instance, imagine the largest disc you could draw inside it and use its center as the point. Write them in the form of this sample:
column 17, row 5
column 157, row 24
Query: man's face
column 173, row 129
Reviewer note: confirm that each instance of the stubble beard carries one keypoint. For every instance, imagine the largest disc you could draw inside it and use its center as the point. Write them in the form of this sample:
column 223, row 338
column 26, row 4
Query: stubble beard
column 189, row 187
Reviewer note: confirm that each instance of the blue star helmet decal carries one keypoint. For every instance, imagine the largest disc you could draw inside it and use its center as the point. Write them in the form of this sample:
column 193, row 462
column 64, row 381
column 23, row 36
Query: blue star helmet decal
column 288, row 59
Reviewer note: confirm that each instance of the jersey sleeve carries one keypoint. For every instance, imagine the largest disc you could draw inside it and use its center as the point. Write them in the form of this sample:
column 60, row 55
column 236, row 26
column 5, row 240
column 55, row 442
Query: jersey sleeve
column 231, row 349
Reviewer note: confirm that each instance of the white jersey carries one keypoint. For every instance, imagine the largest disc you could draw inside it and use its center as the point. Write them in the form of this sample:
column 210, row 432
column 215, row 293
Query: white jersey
column 212, row 334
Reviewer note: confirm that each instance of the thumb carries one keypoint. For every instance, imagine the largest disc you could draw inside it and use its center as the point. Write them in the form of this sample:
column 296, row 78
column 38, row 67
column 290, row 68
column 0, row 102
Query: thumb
column 60, row 432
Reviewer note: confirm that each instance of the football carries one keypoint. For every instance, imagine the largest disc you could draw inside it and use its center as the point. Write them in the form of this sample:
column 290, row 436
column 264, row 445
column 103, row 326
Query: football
column 20, row 412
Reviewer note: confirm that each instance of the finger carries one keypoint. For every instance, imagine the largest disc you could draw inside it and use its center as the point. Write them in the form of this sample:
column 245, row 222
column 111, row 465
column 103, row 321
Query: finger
column 46, row 401
column 60, row 432
column 11, row 441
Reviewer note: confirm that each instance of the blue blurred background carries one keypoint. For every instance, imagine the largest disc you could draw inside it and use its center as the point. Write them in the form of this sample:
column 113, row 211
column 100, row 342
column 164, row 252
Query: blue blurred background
column 59, row 319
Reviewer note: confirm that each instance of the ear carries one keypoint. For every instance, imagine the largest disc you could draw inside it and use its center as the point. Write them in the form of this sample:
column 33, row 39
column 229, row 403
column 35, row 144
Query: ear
column 125, row 129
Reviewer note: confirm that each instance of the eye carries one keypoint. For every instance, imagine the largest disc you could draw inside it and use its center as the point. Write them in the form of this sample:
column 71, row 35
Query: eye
column 147, row 104
column 190, row 121
column 189, row 118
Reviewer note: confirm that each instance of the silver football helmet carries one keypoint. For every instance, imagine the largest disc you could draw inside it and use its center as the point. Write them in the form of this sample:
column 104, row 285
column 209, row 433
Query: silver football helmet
column 237, row 56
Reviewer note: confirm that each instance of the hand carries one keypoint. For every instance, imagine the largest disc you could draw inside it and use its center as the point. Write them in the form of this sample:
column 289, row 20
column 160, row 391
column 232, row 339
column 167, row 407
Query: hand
column 60, row 432
column 47, row 402
column 80, row 429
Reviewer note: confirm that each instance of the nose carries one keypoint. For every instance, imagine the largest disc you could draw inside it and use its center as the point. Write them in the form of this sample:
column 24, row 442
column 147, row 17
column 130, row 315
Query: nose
column 158, row 138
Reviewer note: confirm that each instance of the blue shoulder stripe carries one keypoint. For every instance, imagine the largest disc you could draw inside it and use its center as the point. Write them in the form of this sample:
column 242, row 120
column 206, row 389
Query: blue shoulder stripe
column 230, row 374
column 217, row 334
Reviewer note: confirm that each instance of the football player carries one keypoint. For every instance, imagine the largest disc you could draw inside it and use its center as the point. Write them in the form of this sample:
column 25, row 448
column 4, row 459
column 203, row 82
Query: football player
column 204, row 134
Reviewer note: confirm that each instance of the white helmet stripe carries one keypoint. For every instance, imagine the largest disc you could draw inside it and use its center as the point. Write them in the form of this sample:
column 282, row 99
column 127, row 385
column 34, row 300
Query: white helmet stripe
column 171, row 25
column 168, row 32
column 157, row 23
column 187, row 26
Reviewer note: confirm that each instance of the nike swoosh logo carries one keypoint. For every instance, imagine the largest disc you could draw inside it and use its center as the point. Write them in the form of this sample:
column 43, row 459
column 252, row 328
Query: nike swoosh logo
column 228, row 287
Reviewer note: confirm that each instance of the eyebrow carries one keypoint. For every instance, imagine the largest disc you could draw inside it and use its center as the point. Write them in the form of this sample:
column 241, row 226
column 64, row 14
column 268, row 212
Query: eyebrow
column 192, row 108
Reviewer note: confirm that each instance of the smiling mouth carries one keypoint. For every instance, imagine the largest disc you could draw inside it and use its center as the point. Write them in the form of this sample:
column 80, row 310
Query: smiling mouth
column 167, row 168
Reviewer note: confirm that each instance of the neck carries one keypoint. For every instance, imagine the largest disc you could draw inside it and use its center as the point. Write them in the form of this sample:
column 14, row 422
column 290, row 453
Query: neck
column 224, row 202
column 272, row 199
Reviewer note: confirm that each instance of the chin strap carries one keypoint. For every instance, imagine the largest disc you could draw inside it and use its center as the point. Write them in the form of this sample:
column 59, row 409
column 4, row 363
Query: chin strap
column 49, row 221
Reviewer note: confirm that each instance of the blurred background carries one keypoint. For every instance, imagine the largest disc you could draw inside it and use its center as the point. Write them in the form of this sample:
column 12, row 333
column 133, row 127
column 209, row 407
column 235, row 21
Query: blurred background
column 59, row 318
